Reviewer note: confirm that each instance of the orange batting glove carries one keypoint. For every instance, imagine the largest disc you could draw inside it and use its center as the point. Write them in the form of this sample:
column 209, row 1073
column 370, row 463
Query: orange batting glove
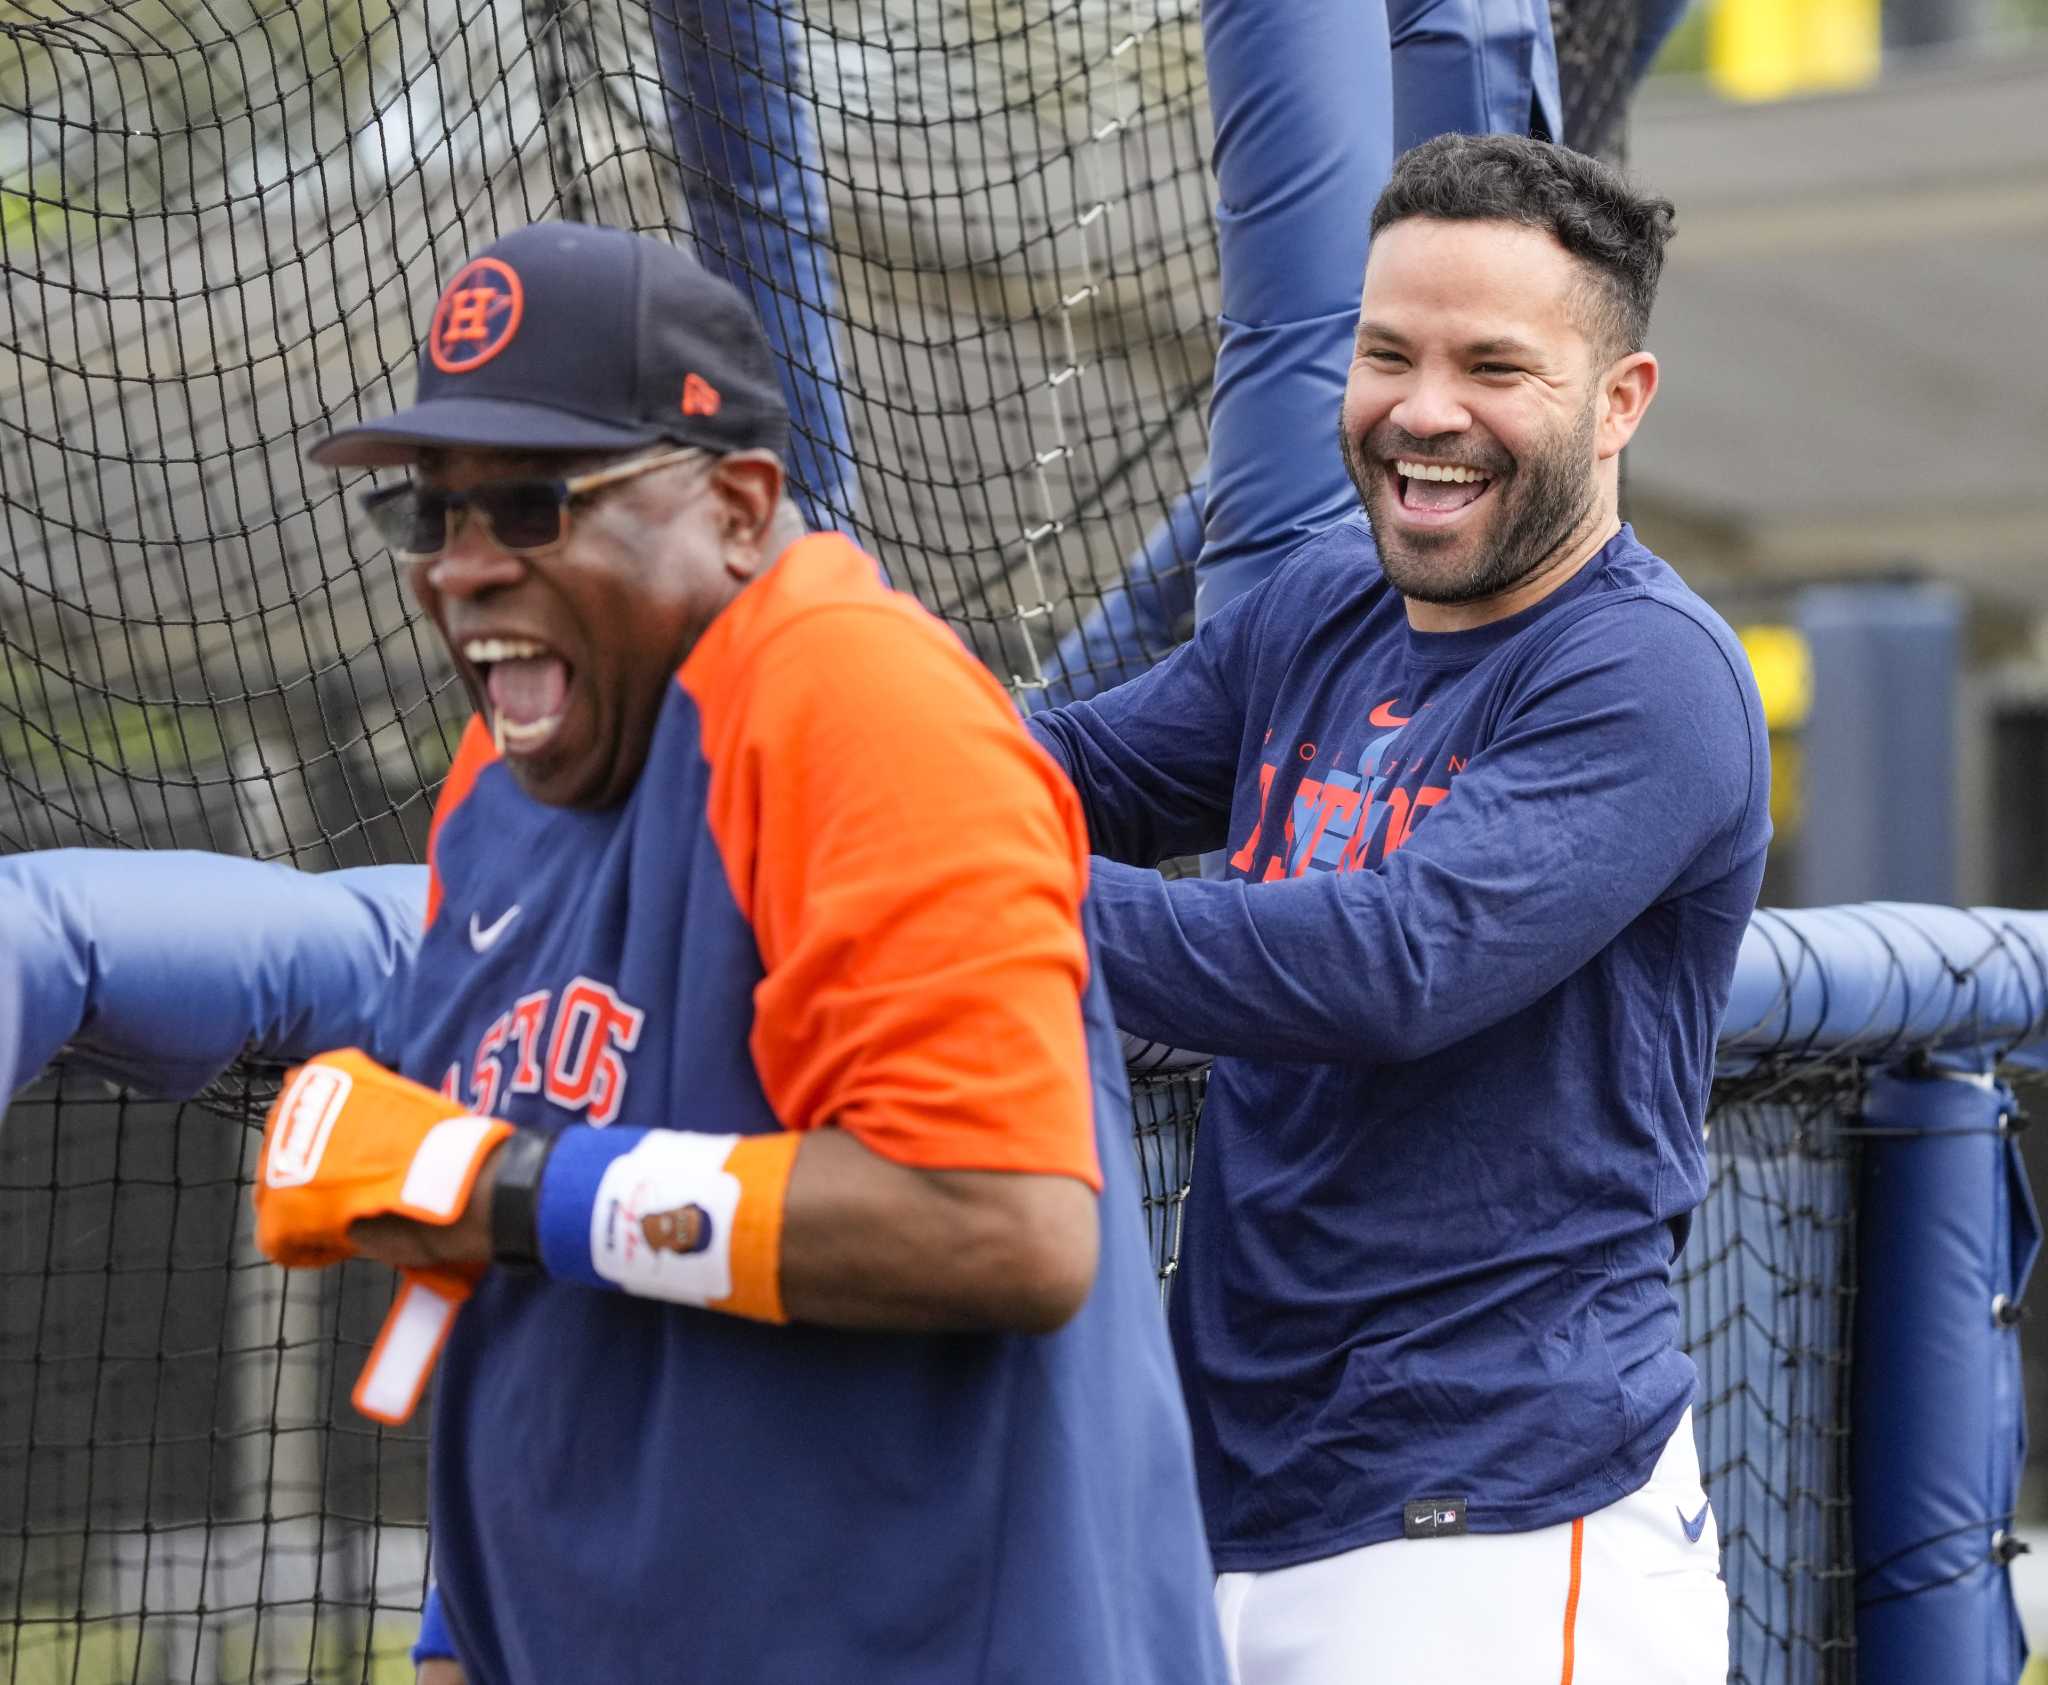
column 347, row 1140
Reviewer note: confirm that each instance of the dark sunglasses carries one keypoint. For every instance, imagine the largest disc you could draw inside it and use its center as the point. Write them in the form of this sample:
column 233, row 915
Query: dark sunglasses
column 526, row 517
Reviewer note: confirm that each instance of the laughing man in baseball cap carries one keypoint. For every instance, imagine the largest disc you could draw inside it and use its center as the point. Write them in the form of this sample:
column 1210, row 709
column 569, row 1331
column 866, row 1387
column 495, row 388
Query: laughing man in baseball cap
column 597, row 436
column 782, row 1331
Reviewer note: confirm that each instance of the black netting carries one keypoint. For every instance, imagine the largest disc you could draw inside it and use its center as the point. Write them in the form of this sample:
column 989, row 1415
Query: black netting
column 1164, row 1110
column 1596, row 49
column 980, row 232
column 184, row 1488
column 1766, row 1289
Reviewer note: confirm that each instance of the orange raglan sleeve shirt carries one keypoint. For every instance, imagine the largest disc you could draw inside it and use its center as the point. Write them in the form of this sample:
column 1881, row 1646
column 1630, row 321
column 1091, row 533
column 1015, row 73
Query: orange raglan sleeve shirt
column 912, row 866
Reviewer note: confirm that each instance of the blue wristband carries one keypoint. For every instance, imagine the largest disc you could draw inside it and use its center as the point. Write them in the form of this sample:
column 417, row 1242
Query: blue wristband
column 568, row 1195
column 435, row 1642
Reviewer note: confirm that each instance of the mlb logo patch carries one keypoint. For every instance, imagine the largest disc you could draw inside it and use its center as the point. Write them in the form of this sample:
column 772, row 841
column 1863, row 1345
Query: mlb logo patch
column 1432, row 1518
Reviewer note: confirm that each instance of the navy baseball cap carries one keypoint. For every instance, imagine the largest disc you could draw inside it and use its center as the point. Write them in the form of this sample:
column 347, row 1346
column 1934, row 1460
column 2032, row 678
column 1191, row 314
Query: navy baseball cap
column 572, row 337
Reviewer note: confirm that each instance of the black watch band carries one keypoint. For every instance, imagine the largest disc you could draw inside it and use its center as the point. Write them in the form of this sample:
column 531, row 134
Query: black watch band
column 515, row 1200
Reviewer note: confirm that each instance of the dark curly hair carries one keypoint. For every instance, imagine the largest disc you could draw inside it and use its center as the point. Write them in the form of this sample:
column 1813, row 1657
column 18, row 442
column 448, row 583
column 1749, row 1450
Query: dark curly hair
column 1616, row 233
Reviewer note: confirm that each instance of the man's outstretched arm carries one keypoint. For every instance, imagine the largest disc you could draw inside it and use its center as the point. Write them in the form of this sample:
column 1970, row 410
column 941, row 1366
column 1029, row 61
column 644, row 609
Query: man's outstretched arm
column 162, row 968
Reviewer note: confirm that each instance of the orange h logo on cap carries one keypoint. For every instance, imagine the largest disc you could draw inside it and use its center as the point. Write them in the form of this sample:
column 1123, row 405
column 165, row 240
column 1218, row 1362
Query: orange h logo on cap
column 700, row 397
column 478, row 314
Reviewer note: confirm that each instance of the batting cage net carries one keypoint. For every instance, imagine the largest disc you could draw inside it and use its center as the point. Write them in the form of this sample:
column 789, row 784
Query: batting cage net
column 1766, row 1287
column 980, row 234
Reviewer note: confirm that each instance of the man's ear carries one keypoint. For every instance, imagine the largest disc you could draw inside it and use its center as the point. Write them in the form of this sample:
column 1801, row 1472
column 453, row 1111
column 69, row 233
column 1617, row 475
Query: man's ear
column 748, row 486
column 1626, row 389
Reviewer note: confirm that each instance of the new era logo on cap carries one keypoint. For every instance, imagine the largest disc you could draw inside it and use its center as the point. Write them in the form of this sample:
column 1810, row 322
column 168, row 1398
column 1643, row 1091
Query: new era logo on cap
column 700, row 397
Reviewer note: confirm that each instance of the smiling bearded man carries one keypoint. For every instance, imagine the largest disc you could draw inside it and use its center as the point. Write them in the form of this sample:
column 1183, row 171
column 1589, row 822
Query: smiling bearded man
column 1547, row 502
column 1493, row 789
column 755, row 1091
column 1529, row 382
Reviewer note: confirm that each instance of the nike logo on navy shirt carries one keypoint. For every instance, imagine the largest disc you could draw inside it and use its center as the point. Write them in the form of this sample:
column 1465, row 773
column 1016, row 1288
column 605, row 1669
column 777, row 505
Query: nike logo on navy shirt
column 483, row 938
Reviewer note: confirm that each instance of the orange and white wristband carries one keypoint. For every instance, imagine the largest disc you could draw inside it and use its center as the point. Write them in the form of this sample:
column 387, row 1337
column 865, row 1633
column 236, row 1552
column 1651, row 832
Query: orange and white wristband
column 669, row 1214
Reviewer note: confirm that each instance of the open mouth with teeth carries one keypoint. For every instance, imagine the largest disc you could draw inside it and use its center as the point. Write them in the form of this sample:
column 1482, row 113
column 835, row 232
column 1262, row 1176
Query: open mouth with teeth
column 1431, row 492
column 528, row 687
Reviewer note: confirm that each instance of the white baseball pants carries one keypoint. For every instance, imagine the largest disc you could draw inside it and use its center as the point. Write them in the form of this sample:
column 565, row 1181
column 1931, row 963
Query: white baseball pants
column 1626, row 1596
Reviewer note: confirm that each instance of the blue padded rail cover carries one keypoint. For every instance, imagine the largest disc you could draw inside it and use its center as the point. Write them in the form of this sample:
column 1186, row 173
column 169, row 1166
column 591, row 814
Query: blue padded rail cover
column 161, row 969
column 1887, row 976
column 1946, row 1236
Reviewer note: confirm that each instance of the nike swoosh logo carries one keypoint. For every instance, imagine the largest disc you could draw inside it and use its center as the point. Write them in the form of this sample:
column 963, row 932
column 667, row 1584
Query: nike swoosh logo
column 1384, row 714
column 484, row 937
column 1697, row 1525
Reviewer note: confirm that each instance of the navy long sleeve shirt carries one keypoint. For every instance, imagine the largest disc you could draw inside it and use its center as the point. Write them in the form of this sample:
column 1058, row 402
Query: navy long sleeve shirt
column 1485, row 891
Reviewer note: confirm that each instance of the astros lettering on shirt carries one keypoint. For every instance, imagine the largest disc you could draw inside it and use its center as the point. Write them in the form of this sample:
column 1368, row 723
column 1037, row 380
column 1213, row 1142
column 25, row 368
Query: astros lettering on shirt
column 1344, row 820
column 846, row 889
column 1482, row 896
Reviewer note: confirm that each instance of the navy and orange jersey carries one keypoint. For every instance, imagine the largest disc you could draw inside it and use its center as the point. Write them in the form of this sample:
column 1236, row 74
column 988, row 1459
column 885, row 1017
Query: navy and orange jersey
column 845, row 891
column 1482, row 900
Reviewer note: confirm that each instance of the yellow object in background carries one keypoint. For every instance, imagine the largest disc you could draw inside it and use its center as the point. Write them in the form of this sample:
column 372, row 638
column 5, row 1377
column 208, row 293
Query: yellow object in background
column 1783, row 665
column 1765, row 49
